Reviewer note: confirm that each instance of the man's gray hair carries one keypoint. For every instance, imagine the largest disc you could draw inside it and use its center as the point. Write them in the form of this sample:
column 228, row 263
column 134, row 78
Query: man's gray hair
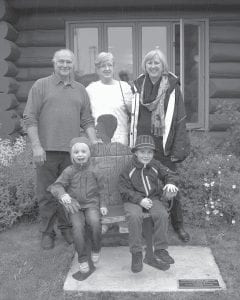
column 59, row 52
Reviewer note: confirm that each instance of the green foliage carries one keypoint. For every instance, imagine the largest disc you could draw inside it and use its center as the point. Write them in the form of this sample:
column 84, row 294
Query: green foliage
column 17, row 182
column 209, row 182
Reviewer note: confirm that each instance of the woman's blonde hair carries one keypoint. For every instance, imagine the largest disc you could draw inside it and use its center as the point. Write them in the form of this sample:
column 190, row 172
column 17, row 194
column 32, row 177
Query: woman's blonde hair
column 150, row 55
column 103, row 57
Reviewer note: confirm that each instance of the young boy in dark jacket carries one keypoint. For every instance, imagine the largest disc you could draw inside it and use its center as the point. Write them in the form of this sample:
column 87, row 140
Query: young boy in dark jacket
column 80, row 189
column 140, row 192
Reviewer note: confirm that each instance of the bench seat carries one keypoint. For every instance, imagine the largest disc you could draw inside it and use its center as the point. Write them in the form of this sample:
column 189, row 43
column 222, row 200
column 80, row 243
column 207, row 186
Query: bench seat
column 116, row 214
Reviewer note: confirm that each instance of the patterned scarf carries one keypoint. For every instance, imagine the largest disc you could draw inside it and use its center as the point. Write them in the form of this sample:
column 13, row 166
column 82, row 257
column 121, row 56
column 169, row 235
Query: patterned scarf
column 156, row 105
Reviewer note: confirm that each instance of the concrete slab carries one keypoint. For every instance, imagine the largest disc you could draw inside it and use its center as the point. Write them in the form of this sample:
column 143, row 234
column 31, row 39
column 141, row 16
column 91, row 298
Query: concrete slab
column 113, row 272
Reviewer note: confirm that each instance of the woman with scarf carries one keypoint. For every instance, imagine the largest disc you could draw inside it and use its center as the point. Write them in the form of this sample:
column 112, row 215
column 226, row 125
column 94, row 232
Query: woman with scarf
column 158, row 110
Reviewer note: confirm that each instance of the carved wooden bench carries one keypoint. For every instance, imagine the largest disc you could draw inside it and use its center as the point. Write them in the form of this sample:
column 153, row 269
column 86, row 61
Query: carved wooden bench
column 112, row 159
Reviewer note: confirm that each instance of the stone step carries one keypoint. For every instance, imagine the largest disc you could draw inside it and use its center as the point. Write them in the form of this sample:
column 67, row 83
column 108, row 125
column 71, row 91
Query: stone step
column 113, row 275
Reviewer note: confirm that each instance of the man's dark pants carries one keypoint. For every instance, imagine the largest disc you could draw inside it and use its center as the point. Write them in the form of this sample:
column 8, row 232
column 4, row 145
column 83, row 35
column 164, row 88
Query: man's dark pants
column 50, row 209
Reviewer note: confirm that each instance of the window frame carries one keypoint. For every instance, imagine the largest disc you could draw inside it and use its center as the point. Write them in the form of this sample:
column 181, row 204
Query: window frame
column 137, row 24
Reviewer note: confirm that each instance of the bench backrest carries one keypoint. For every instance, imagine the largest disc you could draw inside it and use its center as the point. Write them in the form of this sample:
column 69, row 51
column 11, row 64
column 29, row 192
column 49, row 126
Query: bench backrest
column 112, row 160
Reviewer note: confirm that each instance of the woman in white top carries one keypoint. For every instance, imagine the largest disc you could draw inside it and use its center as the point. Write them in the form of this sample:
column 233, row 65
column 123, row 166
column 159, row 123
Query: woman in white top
column 110, row 96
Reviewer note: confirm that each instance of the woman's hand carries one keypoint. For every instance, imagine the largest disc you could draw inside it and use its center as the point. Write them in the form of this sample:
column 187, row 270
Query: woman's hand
column 170, row 191
column 104, row 211
column 146, row 203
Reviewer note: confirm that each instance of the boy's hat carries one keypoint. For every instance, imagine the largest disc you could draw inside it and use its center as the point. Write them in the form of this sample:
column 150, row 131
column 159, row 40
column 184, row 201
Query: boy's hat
column 82, row 140
column 143, row 141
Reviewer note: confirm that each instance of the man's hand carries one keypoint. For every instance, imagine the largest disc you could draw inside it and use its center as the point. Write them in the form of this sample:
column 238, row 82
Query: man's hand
column 170, row 191
column 39, row 155
column 104, row 211
column 146, row 203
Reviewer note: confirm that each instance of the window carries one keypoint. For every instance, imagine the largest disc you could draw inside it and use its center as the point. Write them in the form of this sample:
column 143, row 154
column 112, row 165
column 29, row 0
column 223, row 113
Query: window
column 182, row 41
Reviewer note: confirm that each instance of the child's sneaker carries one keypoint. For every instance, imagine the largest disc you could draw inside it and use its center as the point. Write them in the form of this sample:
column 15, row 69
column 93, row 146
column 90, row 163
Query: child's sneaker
column 163, row 254
column 156, row 263
column 84, row 267
column 95, row 257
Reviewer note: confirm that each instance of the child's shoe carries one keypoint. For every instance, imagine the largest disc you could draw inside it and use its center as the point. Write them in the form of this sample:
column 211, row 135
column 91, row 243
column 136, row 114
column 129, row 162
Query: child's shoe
column 95, row 257
column 84, row 267
column 163, row 254
column 156, row 263
column 137, row 263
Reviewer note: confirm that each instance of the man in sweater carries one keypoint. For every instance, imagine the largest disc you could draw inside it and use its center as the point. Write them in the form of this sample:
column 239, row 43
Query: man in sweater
column 56, row 108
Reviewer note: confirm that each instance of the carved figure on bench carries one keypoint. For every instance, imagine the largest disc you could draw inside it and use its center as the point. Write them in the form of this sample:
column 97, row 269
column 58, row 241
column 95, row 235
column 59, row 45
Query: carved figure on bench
column 80, row 189
column 139, row 189
column 105, row 128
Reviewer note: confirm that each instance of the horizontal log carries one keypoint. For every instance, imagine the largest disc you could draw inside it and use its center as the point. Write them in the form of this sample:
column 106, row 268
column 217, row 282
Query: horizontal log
column 216, row 104
column 8, row 101
column 7, row 13
column 43, row 21
column 7, row 31
column 10, row 123
column 31, row 74
column 74, row 4
column 8, row 50
column 23, row 90
column 40, row 38
column 8, row 85
column 8, row 68
column 224, row 70
column 222, row 52
column 36, row 56
column 224, row 88
column 223, row 34
column 218, row 123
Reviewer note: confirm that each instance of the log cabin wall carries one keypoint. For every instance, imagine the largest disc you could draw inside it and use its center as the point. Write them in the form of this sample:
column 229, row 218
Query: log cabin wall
column 9, row 53
column 224, row 68
column 34, row 35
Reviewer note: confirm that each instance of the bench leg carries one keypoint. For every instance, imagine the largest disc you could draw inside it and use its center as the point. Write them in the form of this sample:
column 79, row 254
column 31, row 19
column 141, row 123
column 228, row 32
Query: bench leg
column 147, row 231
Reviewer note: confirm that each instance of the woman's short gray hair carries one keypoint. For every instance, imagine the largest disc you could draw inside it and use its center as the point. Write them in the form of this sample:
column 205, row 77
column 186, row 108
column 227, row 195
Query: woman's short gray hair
column 150, row 55
column 103, row 57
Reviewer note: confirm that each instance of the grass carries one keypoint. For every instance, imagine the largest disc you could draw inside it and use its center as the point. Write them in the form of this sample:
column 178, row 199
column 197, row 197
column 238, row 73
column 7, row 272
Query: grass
column 29, row 273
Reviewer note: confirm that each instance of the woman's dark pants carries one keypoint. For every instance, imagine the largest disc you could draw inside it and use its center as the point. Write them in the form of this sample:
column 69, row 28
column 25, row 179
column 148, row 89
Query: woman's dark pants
column 176, row 213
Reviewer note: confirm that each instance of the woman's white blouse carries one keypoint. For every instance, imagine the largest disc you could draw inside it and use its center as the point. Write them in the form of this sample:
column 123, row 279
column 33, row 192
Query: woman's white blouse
column 108, row 99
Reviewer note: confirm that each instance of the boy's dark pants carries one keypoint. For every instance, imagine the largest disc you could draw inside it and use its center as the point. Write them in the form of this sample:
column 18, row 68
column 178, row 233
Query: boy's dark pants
column 159, row 217
column 86, row 221
column 49, row 208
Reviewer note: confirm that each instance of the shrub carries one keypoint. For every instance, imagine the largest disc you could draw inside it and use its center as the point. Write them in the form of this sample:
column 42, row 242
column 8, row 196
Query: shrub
column 209, row 180
column 17, row 182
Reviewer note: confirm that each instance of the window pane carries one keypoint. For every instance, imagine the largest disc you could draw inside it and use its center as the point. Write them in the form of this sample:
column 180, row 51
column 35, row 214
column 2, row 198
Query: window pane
column 120, row 45
column 191, row 68
column 85, row 49
column 154, row 37
column 191, row 71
